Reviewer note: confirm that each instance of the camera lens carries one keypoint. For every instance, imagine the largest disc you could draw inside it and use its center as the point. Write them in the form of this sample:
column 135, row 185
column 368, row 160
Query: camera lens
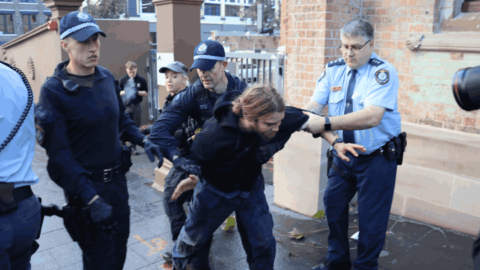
column 466, row 88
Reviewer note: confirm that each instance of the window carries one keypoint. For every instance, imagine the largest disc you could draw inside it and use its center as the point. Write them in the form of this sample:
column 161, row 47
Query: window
column 28, row 1
column 6, row 23
column 212, row 9
column 147, row 6
column 29, row 22
column 232, row 10
column 5, row 0
column 463, row 16
column 471, row 6
column 48, row 16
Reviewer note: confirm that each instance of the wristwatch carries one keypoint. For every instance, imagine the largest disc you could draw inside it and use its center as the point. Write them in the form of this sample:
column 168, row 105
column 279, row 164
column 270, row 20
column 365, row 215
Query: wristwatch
column 328, row 126
column 338, row 140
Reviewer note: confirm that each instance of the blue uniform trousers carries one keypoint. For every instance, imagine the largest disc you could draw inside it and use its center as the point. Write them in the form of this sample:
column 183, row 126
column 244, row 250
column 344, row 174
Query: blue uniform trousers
column 208, row 210
column 18, row 231
column 108, row 251
column 174, row 209
column 375, row 182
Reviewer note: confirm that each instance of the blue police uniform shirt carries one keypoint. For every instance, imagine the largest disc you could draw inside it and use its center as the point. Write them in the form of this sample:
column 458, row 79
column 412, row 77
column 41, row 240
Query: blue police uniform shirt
column 16, row 158
column 376, row 83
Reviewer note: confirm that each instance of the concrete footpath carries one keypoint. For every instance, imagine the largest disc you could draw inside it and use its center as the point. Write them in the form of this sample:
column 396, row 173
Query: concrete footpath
column 410, row 245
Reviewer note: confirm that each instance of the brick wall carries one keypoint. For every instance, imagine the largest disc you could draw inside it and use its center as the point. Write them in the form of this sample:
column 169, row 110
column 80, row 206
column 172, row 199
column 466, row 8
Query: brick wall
column 310, row 31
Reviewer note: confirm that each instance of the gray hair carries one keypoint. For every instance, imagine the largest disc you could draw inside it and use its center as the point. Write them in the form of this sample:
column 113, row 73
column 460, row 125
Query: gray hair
column 184, row 75
column 357, row 28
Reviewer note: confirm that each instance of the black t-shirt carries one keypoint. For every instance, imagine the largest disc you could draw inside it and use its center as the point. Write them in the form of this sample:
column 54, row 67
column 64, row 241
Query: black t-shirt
column 140, row 84
column 86, row 81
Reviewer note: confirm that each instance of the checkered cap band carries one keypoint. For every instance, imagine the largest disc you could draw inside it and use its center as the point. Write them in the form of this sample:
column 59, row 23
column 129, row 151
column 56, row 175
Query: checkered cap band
column 209, row 57
column 78, row 27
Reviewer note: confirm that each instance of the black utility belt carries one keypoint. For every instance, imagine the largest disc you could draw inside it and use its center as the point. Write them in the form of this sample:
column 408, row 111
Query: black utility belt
column 10, row 197
column 392, row 150
column 107, row 175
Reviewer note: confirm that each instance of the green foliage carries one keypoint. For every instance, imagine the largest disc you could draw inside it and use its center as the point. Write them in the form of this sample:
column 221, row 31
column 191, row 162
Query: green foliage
column 106, row 9
column 269, row 20
column 319, row 215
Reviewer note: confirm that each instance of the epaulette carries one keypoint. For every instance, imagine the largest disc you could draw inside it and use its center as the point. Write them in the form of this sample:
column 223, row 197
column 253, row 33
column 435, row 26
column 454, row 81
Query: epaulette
column 375, row 62
column 337, row 62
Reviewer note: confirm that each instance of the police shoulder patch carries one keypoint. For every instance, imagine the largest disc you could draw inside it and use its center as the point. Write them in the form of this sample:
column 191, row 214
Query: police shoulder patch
column 324, row 73
column 375, row 62
column 382, row 76
column 337, row 62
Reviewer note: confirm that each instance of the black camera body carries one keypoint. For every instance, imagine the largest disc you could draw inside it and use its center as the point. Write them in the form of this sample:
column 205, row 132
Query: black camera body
column 466, row 88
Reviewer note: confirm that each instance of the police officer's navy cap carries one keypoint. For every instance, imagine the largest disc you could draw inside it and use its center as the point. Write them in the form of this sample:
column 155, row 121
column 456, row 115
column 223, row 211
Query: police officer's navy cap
column 79, row 25
column 207, row 53
column 176, row 66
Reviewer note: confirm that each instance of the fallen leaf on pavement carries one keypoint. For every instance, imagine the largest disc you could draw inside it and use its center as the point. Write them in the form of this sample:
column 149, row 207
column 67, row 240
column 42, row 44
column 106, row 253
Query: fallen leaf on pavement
column 319, row 215
column 230, row 224
column 296, row 234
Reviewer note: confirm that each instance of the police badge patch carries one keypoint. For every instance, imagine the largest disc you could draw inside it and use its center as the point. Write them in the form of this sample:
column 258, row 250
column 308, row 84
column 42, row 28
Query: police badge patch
column 202, row 49
column 83, row 17
column 39, row 134
column 382, row 76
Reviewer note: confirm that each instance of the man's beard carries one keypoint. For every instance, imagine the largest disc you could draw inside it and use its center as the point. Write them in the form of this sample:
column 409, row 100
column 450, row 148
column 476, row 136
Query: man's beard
column 266, row 136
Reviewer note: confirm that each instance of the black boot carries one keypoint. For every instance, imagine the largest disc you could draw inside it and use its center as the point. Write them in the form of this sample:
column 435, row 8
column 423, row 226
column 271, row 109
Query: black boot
column 167, row 256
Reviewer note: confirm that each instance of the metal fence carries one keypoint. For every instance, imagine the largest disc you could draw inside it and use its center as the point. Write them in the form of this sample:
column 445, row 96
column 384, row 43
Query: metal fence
column 255, row 68
column 251, row 68
column 153, row 91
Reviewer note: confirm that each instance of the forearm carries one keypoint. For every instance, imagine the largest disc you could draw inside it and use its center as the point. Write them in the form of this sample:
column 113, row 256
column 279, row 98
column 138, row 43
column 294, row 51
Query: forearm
column 142, row 93
column 161, row 136
column 314, row 107
column 69, row 175
column 132, row 132
column 360, row 120
column 330, row 136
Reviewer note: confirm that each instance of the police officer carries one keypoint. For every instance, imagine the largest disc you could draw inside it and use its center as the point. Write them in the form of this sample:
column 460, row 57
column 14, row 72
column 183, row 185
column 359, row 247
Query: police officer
column 176, row 79
column 19, row 208
column 134, row 107
column 80, row 115
column 360, row 90
column 176, row 82
column 196, row 102
column 228, row 150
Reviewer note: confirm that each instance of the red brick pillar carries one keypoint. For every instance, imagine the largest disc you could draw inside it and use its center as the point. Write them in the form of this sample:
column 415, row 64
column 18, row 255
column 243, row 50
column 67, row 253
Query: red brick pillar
column 178, row 33
column 62, row 8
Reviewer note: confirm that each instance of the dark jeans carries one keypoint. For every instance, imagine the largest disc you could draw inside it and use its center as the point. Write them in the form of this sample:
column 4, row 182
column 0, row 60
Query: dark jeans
column 174, row 209
column 135, row 113
column 108, row 251
column 18, row 231
column 208, row 210
column 375, row 183
column 476, row 253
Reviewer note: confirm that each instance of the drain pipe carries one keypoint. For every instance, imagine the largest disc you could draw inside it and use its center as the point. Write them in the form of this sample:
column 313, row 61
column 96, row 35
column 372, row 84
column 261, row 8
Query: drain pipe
column 259, row 16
